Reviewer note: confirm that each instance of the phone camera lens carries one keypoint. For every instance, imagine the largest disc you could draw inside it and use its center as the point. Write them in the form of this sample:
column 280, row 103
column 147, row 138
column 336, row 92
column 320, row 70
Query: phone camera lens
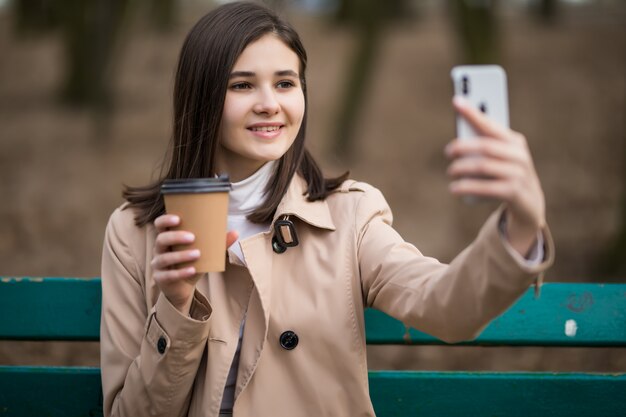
column 483, row 107
column 465, row 85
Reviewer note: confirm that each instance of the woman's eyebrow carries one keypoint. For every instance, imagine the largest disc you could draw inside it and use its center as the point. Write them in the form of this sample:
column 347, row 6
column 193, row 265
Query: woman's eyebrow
column 287, row 73
column 236, row 74
column 248, row 74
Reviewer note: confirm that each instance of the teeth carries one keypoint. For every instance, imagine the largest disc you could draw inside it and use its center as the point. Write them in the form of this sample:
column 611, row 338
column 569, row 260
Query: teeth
column 265, row 128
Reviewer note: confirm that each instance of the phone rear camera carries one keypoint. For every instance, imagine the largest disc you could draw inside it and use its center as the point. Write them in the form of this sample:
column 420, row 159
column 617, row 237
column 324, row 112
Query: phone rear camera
column 483, row 107
column 465, row 85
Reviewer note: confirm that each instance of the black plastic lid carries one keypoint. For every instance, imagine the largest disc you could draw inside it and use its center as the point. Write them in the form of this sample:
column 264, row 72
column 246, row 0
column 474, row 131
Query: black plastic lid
column 196, row 185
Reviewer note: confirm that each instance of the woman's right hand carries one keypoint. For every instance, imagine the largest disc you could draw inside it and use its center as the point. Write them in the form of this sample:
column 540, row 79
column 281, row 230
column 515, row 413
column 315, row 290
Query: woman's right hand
column 176, row 283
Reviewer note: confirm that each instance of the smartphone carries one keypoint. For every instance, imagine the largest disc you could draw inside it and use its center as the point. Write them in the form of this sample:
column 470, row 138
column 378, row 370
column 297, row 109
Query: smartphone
column 484, row 87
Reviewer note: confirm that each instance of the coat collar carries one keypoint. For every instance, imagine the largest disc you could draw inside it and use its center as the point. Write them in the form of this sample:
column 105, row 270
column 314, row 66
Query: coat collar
column 295, row 203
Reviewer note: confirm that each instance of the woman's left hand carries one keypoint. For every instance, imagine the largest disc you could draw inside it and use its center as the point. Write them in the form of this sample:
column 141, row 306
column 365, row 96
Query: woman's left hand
column 497, row 164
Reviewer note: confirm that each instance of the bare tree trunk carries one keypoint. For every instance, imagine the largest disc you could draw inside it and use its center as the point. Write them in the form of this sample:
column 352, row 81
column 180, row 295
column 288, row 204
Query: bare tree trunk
column 90, row 30
column 369, row 18
column 35, row 16
column 612, row 263
column 164, row 14
column 368, row 21
column 477, row 28
column 546, row 10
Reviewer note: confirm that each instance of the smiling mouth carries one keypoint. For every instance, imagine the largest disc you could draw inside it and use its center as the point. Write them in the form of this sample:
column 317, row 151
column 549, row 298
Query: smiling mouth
column 265, row 128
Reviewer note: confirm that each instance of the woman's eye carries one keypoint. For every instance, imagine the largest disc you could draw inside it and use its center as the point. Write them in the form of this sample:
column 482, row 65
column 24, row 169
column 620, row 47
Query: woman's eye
column 286, row 84
column 240, row 86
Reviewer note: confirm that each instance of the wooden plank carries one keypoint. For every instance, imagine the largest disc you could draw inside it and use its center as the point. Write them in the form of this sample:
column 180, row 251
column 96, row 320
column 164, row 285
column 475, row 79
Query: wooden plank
column 50, row 308
column 69, row 309
column 69, row 392
column 461, row 394
column 594, row 314
column 50, row 392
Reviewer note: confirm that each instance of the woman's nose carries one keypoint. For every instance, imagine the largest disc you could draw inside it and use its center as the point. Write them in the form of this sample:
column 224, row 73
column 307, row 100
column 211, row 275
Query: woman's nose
column 267, row 103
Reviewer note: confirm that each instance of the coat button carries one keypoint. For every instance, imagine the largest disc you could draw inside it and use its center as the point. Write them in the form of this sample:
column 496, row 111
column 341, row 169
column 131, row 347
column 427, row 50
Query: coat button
column 277, row 247
column 288, row 340
column 161, row 345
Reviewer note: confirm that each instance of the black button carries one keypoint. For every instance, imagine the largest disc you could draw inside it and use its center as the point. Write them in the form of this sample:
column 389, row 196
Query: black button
column 277, row 247
column 161, row 345
column 288, row 340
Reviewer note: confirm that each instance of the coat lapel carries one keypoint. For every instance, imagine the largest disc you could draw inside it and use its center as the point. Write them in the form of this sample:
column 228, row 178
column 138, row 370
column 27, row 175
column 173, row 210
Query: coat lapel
column 258, row 253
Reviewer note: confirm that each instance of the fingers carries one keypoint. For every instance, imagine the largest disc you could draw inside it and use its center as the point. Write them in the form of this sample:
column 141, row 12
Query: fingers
column 165, row 257
column 169, row 259
column 165, row 240
column 168, row 276
column 166, row 221
column 484, row 167
column 498, row 189
column 491, row 169
column 486, row 177
column 481, row 123
column 231, row 237
column 488, row 148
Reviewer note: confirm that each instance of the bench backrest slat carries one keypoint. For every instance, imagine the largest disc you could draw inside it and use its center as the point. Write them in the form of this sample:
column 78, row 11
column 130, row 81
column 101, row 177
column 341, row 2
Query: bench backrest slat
column 592, row 314
column 563, row 315
column 50, row 308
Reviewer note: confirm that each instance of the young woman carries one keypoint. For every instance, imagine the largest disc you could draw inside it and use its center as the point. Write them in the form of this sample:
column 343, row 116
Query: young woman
column 280, row 332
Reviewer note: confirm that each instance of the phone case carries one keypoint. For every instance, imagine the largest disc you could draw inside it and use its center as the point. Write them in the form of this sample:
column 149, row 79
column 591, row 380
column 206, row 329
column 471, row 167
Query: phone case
column 485, row 87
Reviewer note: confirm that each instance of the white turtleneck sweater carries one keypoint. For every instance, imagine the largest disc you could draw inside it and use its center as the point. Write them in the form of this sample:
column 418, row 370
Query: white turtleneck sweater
column 245, row 197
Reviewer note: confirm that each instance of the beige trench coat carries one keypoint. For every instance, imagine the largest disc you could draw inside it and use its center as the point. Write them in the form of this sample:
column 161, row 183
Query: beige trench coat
column 157, row 362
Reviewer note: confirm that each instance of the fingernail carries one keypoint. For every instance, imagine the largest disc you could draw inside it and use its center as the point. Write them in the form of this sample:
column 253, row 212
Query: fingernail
column 190, row 270
column 459, row 101
column 175, row 218
column 195, row 253
column 188, row 237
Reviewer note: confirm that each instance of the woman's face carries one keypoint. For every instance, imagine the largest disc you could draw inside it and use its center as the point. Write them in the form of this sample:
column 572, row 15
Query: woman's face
column 263, row 109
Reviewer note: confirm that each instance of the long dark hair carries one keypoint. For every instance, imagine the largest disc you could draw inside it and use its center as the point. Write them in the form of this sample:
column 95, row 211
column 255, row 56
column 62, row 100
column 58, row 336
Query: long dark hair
column 206, row 60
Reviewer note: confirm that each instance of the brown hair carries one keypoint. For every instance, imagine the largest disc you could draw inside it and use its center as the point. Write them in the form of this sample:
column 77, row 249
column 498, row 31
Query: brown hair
column 206, row 60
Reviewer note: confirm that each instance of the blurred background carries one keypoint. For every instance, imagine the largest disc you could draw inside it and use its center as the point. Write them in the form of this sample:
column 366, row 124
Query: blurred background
column 85, row 107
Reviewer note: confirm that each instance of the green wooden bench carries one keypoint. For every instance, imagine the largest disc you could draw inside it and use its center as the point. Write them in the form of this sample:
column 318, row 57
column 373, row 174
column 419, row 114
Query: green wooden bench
column 594, row 315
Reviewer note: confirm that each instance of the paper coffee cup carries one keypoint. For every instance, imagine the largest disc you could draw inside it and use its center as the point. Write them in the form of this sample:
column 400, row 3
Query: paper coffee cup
column 202, row 205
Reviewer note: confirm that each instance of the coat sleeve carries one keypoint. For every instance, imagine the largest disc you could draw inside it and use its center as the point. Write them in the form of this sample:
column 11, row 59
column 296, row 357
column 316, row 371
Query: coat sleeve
column 149, row 354
column 451, row 302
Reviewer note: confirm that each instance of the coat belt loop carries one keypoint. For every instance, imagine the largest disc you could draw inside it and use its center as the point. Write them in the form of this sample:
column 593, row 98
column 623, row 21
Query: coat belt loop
column 285, row 235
